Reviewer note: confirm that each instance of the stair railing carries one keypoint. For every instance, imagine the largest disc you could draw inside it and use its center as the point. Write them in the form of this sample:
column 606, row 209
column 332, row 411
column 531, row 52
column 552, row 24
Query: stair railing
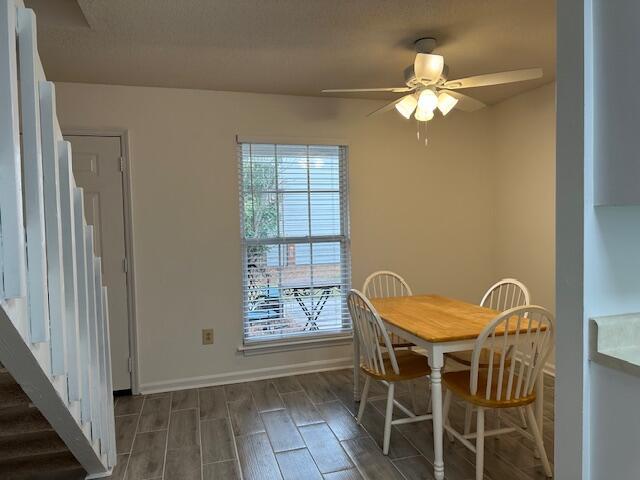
column 54, row 328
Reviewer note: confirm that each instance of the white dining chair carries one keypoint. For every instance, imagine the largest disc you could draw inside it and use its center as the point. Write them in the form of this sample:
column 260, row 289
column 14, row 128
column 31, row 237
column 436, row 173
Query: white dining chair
column 502, row 295
column 384, row 284
column 509, row 379
column 388, row 366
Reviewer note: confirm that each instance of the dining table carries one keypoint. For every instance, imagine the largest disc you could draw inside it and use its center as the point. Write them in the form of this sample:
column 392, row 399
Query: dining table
column 438, row 325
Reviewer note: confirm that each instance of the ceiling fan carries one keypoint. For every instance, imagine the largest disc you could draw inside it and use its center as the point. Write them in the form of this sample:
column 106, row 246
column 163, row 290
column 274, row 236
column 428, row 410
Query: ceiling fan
column 428, row 87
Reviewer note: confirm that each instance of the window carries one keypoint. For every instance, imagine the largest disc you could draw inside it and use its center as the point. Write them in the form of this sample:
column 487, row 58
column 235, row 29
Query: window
column 295, row 232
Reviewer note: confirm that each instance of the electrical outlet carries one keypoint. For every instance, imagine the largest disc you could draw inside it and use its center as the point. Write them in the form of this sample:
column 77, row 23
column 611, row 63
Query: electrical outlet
column 207, row 336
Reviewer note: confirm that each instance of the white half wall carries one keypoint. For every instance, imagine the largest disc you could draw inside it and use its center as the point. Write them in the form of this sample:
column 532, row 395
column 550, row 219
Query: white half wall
column 424, row 212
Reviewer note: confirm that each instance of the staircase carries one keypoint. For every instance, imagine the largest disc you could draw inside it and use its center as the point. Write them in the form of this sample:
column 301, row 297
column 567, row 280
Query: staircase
column 56, row 403
column 29, row 447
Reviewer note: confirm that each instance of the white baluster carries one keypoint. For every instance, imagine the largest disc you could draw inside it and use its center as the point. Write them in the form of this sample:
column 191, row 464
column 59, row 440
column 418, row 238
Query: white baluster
column 67, row 204
column 12, row 250
column 33, row 188
column 93, row 338
column 109, row 383
column 104, row 432
column 83, row 303
column 53, row 227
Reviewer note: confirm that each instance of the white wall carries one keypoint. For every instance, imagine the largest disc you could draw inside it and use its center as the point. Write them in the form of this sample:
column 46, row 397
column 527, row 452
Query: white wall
column 612, row 238
column 572, row 381
column 524, row 191
column 597, row 422
column 425, row 212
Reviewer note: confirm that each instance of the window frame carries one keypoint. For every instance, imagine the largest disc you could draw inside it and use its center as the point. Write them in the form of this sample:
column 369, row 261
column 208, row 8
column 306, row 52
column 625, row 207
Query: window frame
column 277, row 342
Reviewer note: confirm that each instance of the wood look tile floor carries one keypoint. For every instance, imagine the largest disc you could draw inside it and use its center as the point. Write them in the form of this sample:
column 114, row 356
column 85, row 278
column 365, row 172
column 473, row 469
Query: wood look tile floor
column 300, row 427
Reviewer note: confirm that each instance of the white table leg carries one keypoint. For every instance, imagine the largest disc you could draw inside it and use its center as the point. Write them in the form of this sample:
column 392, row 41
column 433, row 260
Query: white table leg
column 436, row 361
column 356, row 367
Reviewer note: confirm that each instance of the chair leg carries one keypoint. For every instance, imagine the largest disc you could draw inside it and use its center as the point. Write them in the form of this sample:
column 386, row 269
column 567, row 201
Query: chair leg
column 468, row 415
column 523, row 417
column 356, row 366
column 533, row 424
column 387, row 419
column 363, row 398
column 445, row 412
column 480, row 444
column 412, row 392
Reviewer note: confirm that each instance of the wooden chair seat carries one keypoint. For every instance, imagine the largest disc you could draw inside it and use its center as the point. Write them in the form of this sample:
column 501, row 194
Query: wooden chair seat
column 459, row 384
column 410, row 365
column 396, row 342
column 464, row 358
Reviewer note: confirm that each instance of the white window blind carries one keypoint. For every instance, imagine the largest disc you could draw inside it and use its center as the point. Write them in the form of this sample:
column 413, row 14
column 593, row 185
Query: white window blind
column 295, row 235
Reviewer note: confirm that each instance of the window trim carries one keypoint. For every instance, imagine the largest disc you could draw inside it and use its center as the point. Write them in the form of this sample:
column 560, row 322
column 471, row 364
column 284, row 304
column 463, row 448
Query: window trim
column 296, row 342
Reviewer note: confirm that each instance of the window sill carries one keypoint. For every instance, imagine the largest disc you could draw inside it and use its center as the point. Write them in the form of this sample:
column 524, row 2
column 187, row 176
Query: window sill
column 261, row 348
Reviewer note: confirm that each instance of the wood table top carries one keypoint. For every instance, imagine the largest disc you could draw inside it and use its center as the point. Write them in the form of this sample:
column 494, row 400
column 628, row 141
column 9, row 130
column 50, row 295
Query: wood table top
column 435, row 318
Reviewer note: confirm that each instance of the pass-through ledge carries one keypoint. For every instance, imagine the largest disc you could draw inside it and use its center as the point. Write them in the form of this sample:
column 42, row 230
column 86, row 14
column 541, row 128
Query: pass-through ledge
column 614, row 341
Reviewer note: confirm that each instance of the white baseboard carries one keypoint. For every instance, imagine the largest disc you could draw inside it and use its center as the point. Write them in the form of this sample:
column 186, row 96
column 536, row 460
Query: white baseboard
column 261, row 374
column 246, row 375
column 100, row 475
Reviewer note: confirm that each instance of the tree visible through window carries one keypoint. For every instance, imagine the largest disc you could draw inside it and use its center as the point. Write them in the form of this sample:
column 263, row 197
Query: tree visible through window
column 295, row 232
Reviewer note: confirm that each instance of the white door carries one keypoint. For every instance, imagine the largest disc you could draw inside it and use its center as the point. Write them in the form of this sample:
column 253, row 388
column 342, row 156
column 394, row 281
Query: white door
column 97, row 169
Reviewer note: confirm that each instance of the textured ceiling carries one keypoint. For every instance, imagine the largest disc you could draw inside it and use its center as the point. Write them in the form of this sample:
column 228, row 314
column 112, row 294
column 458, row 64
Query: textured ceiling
column 290, row 46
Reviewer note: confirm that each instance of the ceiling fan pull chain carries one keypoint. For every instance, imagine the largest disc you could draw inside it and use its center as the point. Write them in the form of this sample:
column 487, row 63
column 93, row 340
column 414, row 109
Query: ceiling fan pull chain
column 426, row 140
column 418, row 130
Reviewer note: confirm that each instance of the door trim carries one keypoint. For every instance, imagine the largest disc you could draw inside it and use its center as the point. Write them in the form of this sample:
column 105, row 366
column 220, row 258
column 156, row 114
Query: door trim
column 123, row 135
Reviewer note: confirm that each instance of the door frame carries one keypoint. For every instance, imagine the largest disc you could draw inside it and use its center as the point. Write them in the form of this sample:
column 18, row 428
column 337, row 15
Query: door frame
column 123, row 135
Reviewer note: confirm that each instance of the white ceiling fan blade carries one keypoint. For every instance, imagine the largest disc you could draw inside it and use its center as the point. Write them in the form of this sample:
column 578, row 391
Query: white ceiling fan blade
column 385, row 108
column 354, row 90
column 465, row 102
column 495, row 78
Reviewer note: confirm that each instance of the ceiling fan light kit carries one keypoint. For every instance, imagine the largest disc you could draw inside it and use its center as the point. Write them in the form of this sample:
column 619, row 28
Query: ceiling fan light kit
column 446, row 103
column 428, row 100
column 407, row 105
column 429, row 88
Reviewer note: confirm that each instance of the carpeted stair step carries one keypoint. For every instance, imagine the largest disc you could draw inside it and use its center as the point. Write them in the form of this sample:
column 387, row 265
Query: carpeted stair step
column 11, row 395
column 21, row 420
column 28, row 444
column 55, row 466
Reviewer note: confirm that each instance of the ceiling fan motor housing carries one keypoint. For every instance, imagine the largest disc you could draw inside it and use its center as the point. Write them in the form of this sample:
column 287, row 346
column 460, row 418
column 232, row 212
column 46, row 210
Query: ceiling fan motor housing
column 410, row 76
column 425, row 45
column 427, row 60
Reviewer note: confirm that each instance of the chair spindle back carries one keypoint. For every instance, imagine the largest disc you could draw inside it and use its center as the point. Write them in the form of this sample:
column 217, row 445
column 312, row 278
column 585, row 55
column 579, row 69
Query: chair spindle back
column 371, row 334
column 506, row 294
column 383, row 284
column 527, row 348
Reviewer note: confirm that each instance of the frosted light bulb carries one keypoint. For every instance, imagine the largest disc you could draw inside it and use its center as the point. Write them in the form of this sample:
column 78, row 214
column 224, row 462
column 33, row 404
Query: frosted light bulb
column 423, row 115
column 428, row 101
